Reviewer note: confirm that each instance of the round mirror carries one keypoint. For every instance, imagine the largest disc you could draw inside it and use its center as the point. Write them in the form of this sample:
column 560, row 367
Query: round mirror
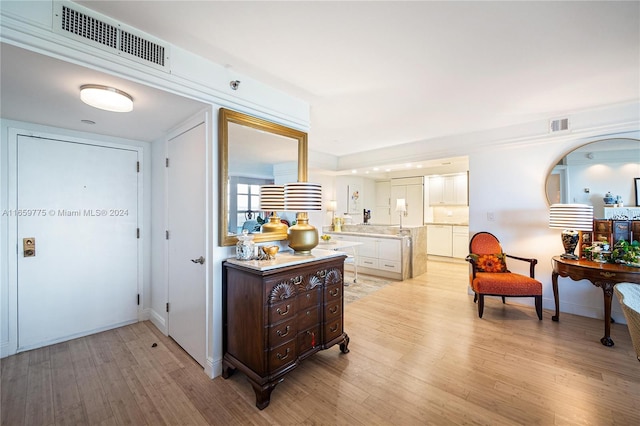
column 588, row 173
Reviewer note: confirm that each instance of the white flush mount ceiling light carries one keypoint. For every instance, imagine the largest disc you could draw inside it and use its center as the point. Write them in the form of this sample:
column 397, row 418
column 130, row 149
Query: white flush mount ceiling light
column 106, row 98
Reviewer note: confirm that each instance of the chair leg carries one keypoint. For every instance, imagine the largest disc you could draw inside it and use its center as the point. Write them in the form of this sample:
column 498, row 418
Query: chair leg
column 480, row 305
column 503, row 300
column 475, row 297
column 539, row 306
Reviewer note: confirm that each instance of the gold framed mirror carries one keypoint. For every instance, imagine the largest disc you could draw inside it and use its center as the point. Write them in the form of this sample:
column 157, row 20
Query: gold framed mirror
column 250, row 150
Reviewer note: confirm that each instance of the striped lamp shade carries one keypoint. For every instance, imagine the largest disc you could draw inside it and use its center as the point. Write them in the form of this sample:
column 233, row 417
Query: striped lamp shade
column 302, row 196
column 272, row 198
column 578, row 217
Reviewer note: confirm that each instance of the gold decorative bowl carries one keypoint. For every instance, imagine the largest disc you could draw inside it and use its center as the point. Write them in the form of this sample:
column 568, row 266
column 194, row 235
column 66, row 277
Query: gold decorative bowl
column 270, row 251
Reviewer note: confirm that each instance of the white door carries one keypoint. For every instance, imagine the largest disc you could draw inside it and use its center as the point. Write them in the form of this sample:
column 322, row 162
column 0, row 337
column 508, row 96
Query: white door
column 78, row 202
column 186, row 225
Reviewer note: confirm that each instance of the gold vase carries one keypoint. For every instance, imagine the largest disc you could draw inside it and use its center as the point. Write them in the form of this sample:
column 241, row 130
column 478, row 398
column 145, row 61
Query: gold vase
column 274, row 225
column 302, row 236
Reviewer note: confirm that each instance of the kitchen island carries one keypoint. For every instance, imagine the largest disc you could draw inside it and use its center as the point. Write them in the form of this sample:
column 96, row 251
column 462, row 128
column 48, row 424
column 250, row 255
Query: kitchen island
column 386, row 250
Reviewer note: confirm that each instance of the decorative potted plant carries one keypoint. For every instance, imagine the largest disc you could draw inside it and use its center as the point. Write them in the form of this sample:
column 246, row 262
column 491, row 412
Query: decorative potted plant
column 627, row 253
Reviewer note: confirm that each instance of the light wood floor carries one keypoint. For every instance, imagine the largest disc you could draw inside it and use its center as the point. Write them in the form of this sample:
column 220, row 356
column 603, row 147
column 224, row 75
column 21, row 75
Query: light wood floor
column 419, row 355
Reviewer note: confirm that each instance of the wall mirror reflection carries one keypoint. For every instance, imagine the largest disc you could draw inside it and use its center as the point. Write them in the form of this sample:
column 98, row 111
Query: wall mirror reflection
column 254, row 152
column 586, row 174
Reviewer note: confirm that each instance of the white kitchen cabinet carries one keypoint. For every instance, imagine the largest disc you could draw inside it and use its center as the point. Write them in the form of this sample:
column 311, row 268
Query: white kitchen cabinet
column 381, row 212
column 439, row 240
column 460, row 241
column 412, row 191
column 380, row 256
column 448, row 190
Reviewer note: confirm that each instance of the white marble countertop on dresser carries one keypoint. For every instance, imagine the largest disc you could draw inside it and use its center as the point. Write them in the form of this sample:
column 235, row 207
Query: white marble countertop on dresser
column 286, row 258
column 367, row 234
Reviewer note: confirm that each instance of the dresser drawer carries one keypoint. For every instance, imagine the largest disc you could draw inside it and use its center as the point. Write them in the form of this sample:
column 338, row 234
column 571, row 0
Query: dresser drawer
column 282, row 311
column 308, row 339
column 332, row 329
column 333, row 310
column 333, row 292
column 282, row 355
column 282, row 332
column 310, row 298
column 308, row 317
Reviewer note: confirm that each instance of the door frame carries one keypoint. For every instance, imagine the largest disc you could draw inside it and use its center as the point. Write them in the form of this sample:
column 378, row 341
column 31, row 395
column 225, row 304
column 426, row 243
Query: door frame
column 10, row 346
column 212, row 367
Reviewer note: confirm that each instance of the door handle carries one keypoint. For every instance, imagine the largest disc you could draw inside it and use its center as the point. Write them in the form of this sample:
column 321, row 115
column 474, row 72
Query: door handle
column 199, row 260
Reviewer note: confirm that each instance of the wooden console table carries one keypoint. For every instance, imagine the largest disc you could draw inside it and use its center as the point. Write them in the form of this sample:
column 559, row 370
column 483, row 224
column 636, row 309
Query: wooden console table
column 603, row 275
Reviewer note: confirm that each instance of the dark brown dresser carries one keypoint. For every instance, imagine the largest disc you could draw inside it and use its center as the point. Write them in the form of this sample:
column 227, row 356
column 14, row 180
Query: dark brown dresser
column 277, row 313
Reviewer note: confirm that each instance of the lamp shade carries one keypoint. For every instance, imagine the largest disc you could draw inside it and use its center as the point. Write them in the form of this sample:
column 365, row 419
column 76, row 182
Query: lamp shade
column 302, row 196
column 332, row 206
column 401, row 205
column 272, row 197
column 106, row 98
column 578, row 217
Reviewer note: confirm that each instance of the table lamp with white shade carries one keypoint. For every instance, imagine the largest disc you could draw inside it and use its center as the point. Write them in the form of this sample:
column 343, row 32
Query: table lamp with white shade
column 332, row 207
column 571, row 218
column 272, row 199
column 302, row 197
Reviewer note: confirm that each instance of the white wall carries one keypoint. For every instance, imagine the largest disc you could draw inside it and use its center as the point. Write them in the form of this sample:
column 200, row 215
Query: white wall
column 507, row 177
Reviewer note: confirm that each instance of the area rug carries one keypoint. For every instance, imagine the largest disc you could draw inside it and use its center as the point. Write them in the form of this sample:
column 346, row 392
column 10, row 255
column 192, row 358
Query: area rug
column 365, row 286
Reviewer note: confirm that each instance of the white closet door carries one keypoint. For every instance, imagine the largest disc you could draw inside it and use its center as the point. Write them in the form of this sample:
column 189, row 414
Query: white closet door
column 187, row 238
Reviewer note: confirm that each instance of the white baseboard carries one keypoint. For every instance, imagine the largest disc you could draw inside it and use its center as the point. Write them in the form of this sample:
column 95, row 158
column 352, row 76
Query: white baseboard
column 159, row 321
column 5, row 350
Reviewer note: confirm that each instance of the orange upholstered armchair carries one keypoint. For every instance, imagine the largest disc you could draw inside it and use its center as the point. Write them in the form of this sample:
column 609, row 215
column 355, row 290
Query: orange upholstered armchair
column 490, row 276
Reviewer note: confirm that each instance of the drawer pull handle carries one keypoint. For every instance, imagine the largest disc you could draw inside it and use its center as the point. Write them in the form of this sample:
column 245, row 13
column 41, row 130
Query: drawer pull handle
column 283, row 313
column 334, row 292
column 388, row 266
column 333, row 329
column 308, row 313
column 282, row 334
column 334, row 309
column 281, row 357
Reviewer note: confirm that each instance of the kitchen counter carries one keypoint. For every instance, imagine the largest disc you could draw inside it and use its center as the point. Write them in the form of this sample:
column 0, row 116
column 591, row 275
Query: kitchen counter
column 416, row 235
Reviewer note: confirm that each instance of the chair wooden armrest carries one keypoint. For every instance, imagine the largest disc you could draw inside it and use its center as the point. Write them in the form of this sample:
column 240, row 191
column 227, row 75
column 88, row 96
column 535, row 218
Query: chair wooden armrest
column 473, row 265
column 532, row 263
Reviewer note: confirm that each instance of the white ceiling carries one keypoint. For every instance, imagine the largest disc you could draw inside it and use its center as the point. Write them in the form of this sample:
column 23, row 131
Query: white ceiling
column 376, row 73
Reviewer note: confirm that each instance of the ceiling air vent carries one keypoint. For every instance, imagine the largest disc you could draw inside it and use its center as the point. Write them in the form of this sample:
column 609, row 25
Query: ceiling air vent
column 559, row 125
column 99, row 31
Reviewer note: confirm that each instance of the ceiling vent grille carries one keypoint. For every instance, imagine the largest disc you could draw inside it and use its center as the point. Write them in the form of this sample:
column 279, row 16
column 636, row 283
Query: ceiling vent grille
column 112, row 36
column 87, row 27
column 559, row 125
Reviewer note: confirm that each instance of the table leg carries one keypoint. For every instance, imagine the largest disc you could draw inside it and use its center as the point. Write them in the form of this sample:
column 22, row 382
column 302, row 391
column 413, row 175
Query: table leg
column 554, row 281
column 607, row 290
